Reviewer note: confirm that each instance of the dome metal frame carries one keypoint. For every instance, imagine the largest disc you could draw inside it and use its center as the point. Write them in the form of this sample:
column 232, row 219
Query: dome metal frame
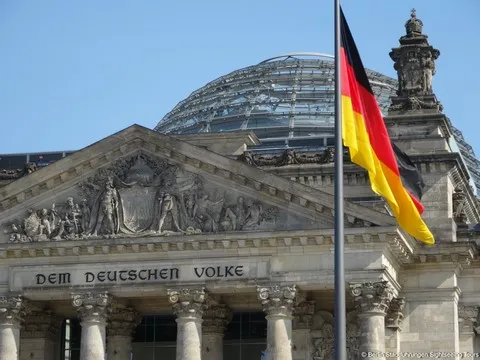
column 290, row 96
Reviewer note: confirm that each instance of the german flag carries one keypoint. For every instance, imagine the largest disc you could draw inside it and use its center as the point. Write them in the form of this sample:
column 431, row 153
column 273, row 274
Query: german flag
column 365, row 134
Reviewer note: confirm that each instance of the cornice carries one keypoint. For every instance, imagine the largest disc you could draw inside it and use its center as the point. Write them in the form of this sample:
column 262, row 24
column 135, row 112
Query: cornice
column 291, row 240
column 423, row 118
column 457, row 253
column 429, row 295
column 404, row 250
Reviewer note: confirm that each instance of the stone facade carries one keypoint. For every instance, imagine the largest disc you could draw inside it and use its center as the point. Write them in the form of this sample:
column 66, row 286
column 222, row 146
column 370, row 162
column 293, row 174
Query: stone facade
column 142, row 223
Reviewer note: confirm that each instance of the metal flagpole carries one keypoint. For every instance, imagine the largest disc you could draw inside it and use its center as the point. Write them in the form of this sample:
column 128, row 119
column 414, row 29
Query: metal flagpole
column 339, row 311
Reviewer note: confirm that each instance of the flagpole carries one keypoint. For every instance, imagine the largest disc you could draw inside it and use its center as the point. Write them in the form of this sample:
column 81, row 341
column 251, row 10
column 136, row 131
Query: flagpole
column 340, row 303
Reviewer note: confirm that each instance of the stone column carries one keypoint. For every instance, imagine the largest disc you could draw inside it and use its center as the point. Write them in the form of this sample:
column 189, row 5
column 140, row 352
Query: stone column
column 278, row 304
column 122, row 323
column 467, row 317
column 393, row 322
column 11, row 313
column 301, row 333
column 372, row 301
column 92, row 310
column 215, row 320
column 476, row 338
column 40, row 336
column 188, row 305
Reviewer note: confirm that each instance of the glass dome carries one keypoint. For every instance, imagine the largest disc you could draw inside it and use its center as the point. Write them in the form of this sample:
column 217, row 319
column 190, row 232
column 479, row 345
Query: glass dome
column 287, row 101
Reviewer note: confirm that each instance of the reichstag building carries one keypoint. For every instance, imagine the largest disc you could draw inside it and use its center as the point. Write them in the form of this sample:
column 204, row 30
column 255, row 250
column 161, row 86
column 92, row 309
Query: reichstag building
column 211, row 236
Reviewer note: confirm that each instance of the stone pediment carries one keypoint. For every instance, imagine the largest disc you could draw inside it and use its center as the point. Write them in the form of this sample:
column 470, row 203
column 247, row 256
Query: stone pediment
column 141, row 183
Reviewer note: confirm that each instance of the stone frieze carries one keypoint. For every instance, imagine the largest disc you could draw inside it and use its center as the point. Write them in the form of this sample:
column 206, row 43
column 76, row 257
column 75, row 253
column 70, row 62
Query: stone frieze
column 140, row 196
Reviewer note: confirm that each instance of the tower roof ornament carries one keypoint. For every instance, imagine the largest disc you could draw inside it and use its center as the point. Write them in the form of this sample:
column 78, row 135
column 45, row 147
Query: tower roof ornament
column 414, row 61
column 413, row 25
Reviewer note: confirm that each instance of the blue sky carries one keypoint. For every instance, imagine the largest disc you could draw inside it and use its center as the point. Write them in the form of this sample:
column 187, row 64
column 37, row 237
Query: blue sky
column 74, row 72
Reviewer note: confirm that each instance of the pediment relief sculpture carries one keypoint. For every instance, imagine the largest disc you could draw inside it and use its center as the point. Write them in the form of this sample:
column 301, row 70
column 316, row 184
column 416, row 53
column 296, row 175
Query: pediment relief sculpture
column 141, row 196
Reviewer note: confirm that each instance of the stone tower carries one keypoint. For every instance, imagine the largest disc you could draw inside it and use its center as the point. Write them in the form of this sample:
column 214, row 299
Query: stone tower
column 417, row 124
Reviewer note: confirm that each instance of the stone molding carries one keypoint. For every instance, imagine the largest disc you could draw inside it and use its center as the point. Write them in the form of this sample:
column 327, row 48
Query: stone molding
column 303, row 315
column 376, row 235
column 12, row 310
column 277, row 300
column 216, row 319
column 395, row 315
column 42, row 324
column 187, row 303
column 426, row 295
column 122, row 321
column 92, row 306
column 372, row 297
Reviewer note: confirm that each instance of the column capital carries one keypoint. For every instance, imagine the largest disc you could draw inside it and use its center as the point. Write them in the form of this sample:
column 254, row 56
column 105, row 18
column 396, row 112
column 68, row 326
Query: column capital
column 216, row 319
column 303, row 315
column 42, row 324
column 277, row 299
column 372, row 297
column 12, row 310
column 468, row 318
column 122, row 321
column 395, row 315
column 92, row 306
column 187, row 303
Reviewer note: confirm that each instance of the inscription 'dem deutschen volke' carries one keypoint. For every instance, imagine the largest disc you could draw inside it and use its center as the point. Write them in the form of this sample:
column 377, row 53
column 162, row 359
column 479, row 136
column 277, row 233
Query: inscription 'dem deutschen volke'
column 143, row 275
column 145, row 272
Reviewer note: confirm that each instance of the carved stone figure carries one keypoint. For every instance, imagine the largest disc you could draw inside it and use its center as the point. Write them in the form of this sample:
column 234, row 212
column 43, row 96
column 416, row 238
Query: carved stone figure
column 237, row 214
column 168, row 207
column 85, row 215
column 106, row 210
column 253, row 216
column 138, row 196
column 428, row 71
column 68, row 222
column 206, row 213
column 287, row 157
column 459, row 200
column 30, row 167
column 323, row 336
column 353, row 335
column 45, row 227
column 324, row 344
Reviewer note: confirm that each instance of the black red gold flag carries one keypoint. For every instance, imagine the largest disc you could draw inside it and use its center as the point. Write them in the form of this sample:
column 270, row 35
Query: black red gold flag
column 365, row 134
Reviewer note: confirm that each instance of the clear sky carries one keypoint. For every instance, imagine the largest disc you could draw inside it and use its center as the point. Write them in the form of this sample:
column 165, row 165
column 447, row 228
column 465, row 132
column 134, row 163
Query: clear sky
column 74, row 72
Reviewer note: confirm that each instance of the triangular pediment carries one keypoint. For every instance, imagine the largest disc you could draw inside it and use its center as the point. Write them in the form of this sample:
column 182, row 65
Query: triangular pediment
column 138, row 182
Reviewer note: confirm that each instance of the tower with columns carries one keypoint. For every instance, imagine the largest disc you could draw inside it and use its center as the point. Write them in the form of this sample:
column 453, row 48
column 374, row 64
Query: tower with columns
column 232, row 253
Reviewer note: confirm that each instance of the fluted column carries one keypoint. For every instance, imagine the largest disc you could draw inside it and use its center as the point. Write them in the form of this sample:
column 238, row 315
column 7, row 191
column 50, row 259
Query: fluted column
column 278, row 304
column 92, row 309
column 215, row 320
column 122, row 323
column 372, row 301
column 11, row 314
column 188, row 305
column 40, row 336
column 301, row 333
